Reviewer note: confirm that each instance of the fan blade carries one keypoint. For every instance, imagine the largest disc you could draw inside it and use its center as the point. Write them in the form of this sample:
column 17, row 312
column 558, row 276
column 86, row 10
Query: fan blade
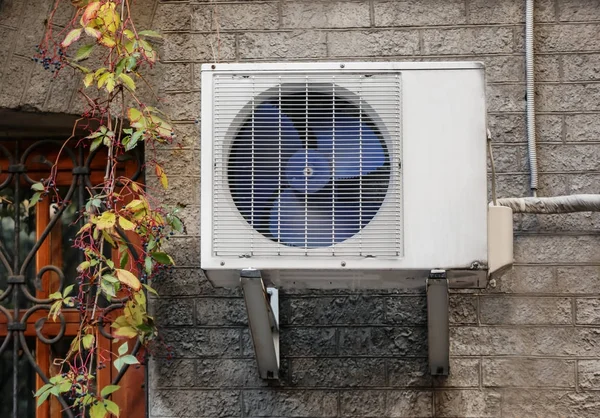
column 314, row 222
column 354, row 147
column 261, row 148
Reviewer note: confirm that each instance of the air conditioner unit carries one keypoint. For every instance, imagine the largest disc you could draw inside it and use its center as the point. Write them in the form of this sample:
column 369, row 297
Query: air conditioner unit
column 348, row 175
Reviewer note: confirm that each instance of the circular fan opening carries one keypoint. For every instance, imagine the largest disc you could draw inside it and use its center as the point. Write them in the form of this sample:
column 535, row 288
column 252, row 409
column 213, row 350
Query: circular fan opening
column 308, row 169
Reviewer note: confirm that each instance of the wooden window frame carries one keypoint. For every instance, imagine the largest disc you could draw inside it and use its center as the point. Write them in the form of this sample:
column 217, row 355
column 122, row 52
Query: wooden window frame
column 132, row 396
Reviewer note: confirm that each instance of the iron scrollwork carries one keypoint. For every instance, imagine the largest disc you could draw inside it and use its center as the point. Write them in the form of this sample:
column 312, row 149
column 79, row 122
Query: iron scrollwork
column 20, row 242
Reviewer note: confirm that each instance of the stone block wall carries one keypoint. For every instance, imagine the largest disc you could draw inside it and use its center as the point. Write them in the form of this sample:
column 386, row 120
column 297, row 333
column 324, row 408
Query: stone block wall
column 530, row 346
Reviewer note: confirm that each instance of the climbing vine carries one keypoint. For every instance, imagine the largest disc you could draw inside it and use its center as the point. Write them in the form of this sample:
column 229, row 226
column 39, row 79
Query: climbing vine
column 112, row 55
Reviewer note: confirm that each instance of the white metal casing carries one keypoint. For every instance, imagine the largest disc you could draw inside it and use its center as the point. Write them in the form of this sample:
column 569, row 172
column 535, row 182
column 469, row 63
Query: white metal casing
column 443, row 209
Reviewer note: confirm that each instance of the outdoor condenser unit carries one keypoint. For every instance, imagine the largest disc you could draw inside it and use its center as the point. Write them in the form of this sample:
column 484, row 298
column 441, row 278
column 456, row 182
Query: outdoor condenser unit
column 357, row 175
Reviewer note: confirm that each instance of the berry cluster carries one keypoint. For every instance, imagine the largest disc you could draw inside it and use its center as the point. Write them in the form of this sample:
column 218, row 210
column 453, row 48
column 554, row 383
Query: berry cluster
column 54, row 63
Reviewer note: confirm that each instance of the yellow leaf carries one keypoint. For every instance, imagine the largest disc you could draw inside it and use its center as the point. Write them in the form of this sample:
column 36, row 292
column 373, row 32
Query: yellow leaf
column 87, row 341
column 108, row 17
column 135, row 205
column 129, row 34
column 71, row 37
column 88, row 80
column 100, row 71
column 126, row 224
column 102, row 79
column 160, row 173
column 110, row 83
column 108, row 238
column 106, row 220
column 107, row 41
column 84, row 228
column 127, row 332
column 134, row 114
column 128, row 279
column 93, row 32
column 128, row 81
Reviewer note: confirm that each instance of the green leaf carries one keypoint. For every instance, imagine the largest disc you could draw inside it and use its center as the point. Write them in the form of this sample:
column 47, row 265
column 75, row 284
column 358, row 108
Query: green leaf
column 126, row 359
column 68, row 290
column 64, row 387
column 150, row 34
column 162, row 258
column 43, row 389
column 107, row 390
column 148, row 265
column 133, row 140
column 95, row 144
column 150, row 289
column 146, row 46
column 124, row 259
column 110, row 278
column 55, row 296
column 35, row 198
column 84, row 52
column 96, row 134
column 131, row 63
column 71, row 37
column 98, row 411
column 130, row 359
column 120, row 66
column 87, row 341
column 127, row 81
column 130, row 46
column 108, row 288
column 38, row 187
column 112, row 407
column 176, row 223
column 123, row 348
column 42, row 398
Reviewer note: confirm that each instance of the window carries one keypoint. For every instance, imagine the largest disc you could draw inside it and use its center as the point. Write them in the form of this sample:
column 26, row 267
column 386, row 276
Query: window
column 36, row 259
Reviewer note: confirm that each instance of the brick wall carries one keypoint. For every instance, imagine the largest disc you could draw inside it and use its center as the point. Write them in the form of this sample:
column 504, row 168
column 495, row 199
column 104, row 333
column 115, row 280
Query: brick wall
column 528, row 347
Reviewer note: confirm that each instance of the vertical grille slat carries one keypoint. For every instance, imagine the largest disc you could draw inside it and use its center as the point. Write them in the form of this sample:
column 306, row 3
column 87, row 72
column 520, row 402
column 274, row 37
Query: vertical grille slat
column 307, row 164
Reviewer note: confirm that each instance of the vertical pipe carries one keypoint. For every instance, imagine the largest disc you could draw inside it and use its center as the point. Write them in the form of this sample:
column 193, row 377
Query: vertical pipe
column 529, row 70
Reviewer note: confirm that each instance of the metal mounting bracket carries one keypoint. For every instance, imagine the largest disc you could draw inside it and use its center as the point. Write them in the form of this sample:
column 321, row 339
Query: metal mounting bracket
column 262, row 305
column 438, row 327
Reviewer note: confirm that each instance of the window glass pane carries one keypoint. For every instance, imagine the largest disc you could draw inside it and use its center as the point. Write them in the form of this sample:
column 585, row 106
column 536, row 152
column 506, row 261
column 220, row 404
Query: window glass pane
column 27, row 236
column 26, row 381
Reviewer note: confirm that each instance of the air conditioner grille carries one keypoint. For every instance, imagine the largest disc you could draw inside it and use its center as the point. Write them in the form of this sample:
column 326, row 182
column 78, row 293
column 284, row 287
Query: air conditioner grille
column 307, row 164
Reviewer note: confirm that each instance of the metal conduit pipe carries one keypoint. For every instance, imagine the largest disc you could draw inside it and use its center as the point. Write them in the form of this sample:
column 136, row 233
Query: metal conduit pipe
column 557, row 204
column 529, row 72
